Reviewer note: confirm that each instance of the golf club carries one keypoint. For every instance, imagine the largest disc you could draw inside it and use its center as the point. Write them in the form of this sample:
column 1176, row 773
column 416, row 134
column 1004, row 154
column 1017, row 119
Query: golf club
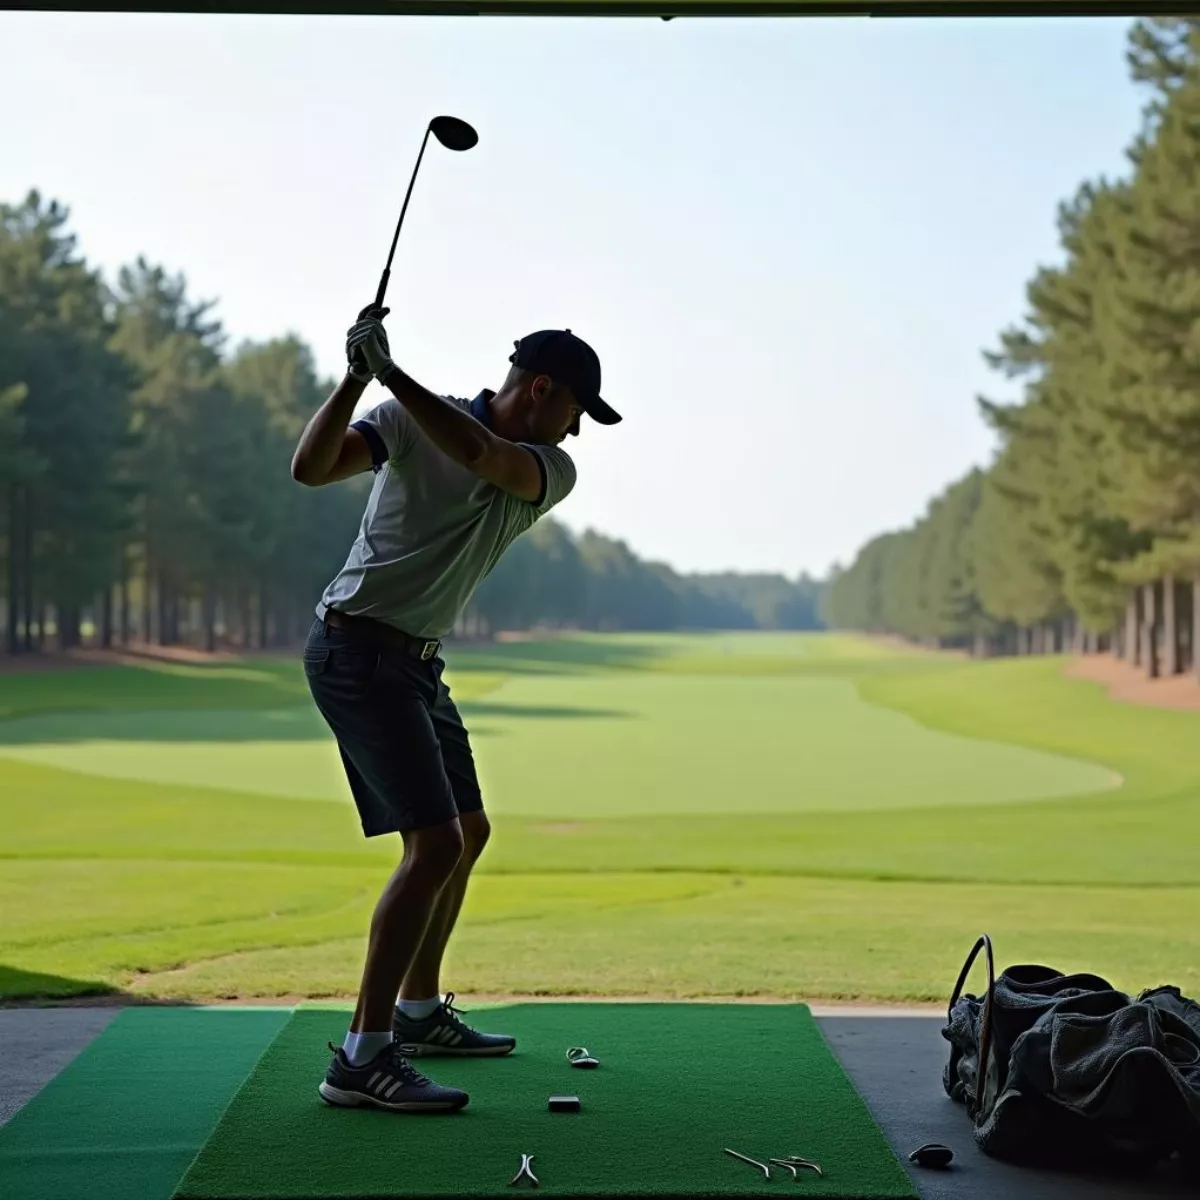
column 454, row 135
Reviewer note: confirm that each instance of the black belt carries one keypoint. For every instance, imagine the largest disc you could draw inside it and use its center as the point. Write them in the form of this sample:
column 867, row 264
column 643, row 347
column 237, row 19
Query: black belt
column 377, row 631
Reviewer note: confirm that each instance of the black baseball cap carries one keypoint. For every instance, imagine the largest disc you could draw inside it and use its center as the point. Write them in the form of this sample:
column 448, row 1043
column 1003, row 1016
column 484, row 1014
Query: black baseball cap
column 568, row 360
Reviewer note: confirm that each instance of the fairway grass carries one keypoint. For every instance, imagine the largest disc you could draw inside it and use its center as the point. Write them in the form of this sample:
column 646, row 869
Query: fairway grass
column 808, row 817
column 654, row 744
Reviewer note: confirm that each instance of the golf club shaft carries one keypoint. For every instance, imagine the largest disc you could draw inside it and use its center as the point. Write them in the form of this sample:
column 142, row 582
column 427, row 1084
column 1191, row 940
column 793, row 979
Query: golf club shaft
column 387, row 270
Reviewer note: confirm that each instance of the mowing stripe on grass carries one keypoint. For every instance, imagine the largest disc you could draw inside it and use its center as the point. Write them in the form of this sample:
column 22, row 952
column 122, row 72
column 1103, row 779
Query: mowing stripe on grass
column 677, row 1084
column 128, row 1115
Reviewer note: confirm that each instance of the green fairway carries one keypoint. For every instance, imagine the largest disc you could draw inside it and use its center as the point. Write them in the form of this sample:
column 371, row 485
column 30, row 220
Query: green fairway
column 791, row 815
column 651, row 744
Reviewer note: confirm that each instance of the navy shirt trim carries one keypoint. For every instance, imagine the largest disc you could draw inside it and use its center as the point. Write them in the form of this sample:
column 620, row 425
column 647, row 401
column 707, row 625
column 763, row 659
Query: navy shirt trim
column 483, row 414
column 375, row 443
column 480, row 410
column 541, row 496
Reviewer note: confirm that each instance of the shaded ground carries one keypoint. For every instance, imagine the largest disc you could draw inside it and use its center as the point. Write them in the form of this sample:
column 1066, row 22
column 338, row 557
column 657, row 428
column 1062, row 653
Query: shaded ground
column 513, row 652
column 1130, row 685
column 134, row 655
column 896, row 1065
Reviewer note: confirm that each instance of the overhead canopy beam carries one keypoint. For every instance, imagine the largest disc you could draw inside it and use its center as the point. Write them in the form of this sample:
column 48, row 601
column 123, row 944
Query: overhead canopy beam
column 663, row 9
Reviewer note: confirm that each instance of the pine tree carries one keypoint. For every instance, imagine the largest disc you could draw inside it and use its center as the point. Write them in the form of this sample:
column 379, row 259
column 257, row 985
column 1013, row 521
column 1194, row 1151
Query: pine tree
column 1152, row 393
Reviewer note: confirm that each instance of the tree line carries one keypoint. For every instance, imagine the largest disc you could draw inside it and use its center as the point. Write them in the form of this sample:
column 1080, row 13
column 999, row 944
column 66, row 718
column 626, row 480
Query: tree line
column 1084, row 531
column 146, row 495
column 553, row 578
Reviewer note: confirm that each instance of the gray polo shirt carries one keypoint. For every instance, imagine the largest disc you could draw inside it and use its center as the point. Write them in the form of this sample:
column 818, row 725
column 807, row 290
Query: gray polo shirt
column 432, row 529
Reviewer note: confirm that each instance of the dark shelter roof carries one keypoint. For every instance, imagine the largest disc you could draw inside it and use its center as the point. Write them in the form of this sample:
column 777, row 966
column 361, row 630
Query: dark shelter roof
column 663, row 9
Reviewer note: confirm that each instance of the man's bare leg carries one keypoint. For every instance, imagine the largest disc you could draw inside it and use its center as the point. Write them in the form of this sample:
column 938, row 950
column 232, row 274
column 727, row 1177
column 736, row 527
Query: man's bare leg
column 402, row 915
column 422, row 980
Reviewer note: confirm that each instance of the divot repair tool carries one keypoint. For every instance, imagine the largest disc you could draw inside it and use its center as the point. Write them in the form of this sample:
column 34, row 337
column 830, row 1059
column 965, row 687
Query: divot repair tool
column 525, row 1173
column 578, row 1056
column 752, row 1161
column 796, row 1164
column 793, row 1163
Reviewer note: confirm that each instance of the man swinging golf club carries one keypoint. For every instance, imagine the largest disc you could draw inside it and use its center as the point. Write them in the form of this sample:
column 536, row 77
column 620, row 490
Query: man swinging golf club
column 456, row 482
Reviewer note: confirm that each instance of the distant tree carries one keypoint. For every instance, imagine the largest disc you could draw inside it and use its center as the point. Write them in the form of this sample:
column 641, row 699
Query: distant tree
column 65, row 409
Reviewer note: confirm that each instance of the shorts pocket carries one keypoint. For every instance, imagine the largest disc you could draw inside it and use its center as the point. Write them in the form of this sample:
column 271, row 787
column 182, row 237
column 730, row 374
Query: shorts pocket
column 351, row 670
column 316, row 659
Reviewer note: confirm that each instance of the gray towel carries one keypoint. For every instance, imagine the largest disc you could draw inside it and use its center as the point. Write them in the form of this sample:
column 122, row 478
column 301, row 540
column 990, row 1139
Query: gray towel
column 1079, row 1072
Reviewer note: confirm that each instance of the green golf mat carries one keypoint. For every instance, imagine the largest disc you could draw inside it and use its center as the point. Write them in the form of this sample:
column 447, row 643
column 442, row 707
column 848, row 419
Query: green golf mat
column 676, row 1085
column 126, row 1117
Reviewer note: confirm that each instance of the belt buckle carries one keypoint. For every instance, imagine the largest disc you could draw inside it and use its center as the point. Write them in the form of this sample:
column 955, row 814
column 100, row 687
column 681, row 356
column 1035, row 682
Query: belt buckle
column 428, row 650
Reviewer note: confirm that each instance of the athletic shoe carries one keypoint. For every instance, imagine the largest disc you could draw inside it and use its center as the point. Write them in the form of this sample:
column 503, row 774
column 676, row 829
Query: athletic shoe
column 388, row 1081
column 444, row 1033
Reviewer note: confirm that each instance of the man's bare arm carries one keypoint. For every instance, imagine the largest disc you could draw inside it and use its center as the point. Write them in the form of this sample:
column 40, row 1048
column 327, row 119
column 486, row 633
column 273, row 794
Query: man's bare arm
column 460, row 436
column 328, row 449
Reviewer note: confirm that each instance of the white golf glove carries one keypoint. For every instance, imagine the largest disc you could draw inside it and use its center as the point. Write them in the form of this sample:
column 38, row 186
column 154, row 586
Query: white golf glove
column 367, row 350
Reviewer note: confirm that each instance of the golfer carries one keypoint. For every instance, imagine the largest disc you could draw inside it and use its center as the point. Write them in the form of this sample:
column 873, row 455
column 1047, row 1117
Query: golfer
column 456, row 482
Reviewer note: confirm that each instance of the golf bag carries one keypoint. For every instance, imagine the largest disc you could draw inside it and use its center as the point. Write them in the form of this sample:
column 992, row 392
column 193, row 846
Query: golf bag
column 1064, row 1070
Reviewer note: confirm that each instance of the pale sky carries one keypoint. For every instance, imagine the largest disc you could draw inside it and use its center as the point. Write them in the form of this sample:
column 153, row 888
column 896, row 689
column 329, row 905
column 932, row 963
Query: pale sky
column 788, row 240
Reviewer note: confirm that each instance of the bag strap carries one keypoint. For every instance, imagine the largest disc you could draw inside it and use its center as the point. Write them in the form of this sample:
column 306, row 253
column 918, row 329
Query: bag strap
column 974, row 1100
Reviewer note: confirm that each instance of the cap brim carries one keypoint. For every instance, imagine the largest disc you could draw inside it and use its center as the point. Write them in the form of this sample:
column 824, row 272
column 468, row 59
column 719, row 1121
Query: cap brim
column 600, row 412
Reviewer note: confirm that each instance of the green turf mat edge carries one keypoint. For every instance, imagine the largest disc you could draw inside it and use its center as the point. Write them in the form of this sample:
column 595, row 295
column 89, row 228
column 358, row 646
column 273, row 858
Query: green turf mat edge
column 127, row 1116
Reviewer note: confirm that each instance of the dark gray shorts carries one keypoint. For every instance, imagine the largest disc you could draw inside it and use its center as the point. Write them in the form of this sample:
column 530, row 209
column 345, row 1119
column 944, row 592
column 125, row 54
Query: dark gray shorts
column 403, row 744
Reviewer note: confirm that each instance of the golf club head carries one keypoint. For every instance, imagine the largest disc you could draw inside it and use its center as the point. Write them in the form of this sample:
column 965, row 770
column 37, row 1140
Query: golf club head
column 453, row 133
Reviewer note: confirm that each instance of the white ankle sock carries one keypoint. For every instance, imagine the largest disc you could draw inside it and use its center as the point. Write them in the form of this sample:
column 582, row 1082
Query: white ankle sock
column 360, row 1048
column 418, row 1010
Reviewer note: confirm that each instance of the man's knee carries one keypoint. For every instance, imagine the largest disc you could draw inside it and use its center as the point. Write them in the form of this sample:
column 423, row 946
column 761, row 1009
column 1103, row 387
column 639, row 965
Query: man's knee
column 436, row 851
column 476, row 829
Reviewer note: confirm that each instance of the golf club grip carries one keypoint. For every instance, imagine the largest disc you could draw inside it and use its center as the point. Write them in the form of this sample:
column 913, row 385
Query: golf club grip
column 383, row 282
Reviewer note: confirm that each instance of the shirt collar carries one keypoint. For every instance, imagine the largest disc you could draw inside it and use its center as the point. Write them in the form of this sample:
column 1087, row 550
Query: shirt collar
column 480, row 407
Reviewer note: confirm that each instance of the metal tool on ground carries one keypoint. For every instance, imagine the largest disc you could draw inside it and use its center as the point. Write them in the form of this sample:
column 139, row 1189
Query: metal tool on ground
column 564, row 1104
column 752, row 1161
column 525, row 1175
column 578, row 1056
column 801, row 1164
column 932, row 1154
column 796, row 1164
column 454, row 134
